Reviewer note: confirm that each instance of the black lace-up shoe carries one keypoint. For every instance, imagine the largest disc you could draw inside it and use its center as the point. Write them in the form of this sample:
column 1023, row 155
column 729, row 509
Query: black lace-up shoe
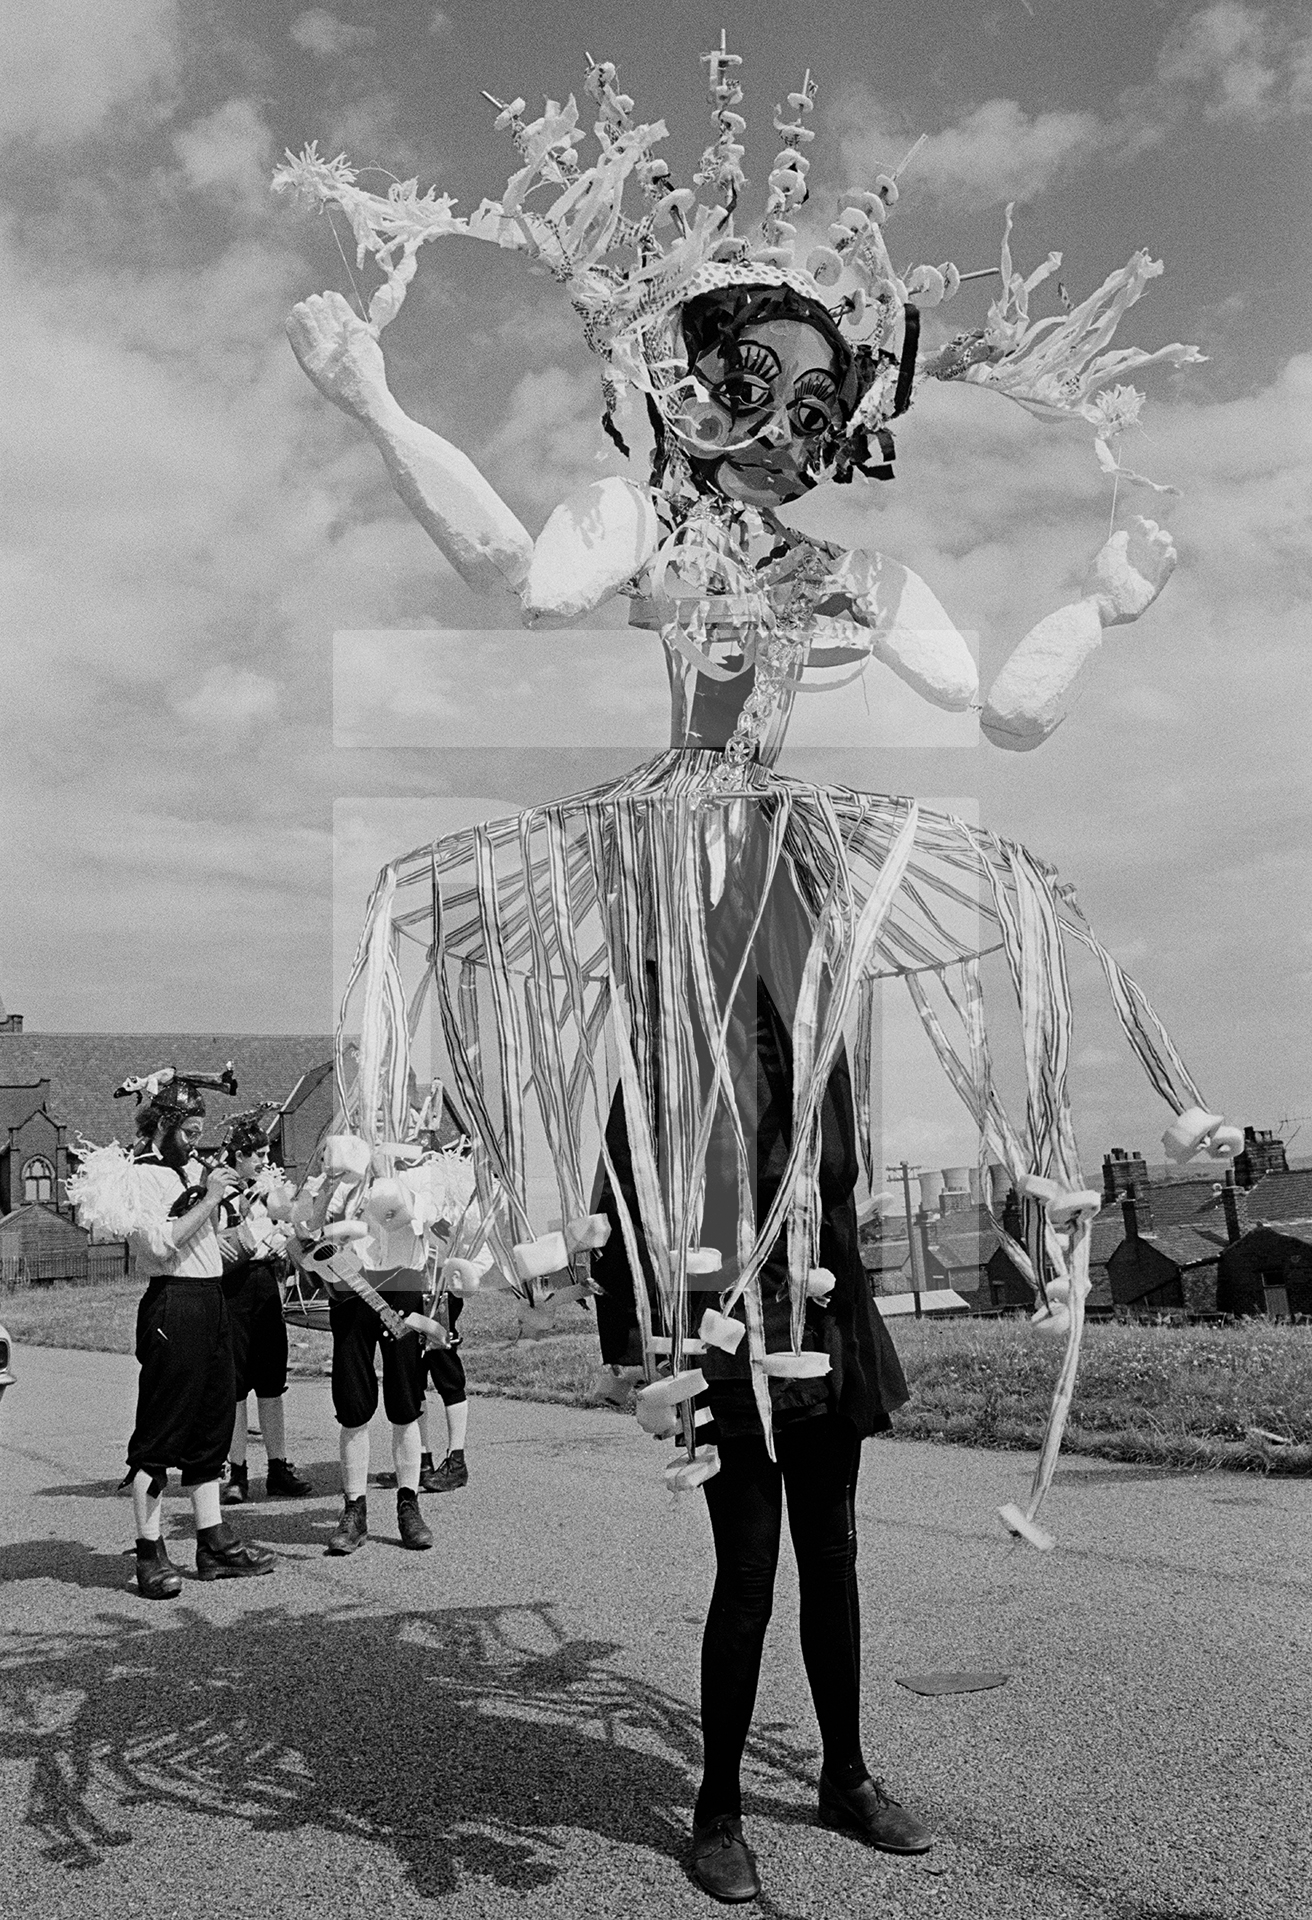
column 410, row 1522
column 352, row 1528
column 874, row 1815
column 223, row 1555
column 451, row 1475
column 723, row 1864
column 282, row 1481
column 157, row 1577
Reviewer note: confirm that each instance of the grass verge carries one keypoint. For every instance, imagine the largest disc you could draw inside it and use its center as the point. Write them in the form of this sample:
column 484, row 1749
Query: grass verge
column 1166, row 1396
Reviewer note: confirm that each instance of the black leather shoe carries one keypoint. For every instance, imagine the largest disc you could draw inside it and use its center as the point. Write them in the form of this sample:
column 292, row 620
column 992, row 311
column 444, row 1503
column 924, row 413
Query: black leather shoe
column 352, row 1528
column 223, row 1555
column 283, row 1481
column 236, row 1489
column 451, row 1475
column 410, row 1521
column 723, row 1864
column 868, row 1811
column 157, row 1577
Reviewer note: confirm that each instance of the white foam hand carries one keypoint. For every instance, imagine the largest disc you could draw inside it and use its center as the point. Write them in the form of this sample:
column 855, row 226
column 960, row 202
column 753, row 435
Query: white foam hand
column 1130, row 571
column 340, row 353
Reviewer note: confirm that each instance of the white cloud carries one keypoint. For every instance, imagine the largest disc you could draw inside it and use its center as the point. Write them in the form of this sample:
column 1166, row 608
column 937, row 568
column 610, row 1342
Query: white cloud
column 441, row 25
column 996, row 152
column 228, row 701
column 64, row 64
column 1229, row 61
column 229, row 152
column 1238, row 61
column 324, row 35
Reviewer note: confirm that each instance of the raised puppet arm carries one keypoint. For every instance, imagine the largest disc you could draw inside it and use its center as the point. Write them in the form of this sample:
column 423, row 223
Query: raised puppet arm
column 590, row 545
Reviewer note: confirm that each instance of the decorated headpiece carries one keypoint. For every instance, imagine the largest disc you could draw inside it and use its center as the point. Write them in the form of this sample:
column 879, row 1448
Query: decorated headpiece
column 248, row 1132
column 170, row 1092
column 631, row 270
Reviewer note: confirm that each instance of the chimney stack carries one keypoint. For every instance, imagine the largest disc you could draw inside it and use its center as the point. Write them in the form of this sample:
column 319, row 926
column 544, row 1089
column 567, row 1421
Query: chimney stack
column 1122, row 1171
column 1137, row 1212
column 1230, row 1207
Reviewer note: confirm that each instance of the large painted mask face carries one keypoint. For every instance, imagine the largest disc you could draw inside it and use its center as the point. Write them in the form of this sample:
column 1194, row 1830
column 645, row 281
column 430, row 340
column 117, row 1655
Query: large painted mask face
column 773, row 399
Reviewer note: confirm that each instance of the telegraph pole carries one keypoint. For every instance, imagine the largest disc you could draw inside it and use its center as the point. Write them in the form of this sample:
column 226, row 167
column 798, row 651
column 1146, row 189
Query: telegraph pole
column 913, row 1236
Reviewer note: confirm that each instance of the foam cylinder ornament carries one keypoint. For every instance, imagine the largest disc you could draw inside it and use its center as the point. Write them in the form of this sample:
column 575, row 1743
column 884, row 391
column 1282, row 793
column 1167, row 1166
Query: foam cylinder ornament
column 796, row 1366
column 1024, row 1528
column 1188, row 1131
column 346, row 1153
column 1055, row 1316
column 1225, row 1142
column 432, row 1330
column 385, row 1155
column 703, row 1269
column 722, row 1331
column 662, row 1343
column 341, row 1231
column 656, row 1405
column 388, row 1205
column 461, row 1276
column 820, row 1284
column 588, row 1230
column 534, row 1259
column 683, row 1475
column 1070, row 1203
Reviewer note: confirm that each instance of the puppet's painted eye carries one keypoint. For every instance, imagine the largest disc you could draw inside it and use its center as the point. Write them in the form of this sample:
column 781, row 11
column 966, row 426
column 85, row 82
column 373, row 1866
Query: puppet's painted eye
column 743, row 392
column 810, row 417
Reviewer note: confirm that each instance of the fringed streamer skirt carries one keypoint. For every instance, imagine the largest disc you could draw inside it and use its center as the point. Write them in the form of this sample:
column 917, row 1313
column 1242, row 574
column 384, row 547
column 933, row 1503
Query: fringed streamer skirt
column 651, row 992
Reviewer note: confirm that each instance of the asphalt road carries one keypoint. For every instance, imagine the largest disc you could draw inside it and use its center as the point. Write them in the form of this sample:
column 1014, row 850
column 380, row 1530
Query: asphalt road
column 507, row 1725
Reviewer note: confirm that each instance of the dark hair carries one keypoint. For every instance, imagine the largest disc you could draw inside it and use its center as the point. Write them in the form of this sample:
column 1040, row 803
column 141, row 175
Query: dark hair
column 250, row 1137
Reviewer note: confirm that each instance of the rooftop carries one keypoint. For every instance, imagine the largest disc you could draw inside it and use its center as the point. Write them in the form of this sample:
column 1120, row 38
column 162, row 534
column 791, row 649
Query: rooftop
column 84, row 1068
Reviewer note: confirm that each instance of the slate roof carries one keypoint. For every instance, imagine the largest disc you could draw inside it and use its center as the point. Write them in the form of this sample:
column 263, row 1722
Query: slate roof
column 18, row 1103
column 1187, row 1246
column 84, row 1068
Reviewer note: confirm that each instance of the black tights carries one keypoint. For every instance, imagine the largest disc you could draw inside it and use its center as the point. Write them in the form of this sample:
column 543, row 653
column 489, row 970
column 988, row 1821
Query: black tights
column 816, row 1467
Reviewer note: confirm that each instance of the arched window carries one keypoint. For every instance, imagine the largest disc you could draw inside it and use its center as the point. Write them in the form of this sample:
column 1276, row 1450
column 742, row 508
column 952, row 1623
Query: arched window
column 38, row 1182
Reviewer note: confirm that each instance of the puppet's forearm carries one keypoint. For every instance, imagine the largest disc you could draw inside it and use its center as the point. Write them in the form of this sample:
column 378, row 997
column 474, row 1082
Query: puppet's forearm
column 1030, row 696
column 457, row 508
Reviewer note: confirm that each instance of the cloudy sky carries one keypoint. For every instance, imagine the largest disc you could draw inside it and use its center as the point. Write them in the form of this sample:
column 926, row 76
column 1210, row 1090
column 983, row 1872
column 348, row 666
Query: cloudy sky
column 187, row 525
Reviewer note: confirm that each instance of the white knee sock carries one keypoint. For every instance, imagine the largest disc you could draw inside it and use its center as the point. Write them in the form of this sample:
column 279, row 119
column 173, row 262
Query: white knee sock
column 425, row 1444
column 353, row 1445
column 273, row 1429
column 205, row 1503
column 405, row 1452
column 237, row 1444
column 457, row 1420
column 147, row 1507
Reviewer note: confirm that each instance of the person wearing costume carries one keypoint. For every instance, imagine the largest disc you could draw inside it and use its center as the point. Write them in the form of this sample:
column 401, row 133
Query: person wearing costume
column 676, row 970
column 167, row 1205
column 395, row 1257
column 247, row 1242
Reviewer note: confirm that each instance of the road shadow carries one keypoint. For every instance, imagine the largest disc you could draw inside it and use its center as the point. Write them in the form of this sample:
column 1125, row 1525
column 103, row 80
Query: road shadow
column 324, row 1476
column 459, row 1738
column 69, row 1561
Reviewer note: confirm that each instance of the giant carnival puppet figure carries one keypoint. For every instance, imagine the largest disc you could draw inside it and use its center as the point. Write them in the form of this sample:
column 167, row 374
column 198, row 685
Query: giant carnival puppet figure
column 657, row 986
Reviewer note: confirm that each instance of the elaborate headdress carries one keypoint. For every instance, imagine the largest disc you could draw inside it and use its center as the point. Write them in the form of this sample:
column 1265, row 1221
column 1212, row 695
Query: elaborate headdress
column 249, row 1131
column 630, row 271
column 170, row 1091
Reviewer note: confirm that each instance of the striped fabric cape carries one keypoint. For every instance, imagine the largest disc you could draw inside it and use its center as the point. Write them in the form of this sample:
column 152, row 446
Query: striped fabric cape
column 562, row 955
